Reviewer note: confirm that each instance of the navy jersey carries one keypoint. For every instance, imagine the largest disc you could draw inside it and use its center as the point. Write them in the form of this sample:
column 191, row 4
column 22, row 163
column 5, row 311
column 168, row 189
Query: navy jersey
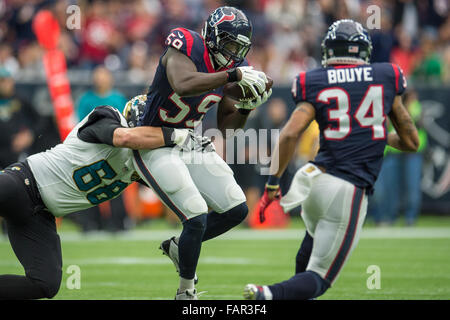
column 351, row 105
column 166, row 108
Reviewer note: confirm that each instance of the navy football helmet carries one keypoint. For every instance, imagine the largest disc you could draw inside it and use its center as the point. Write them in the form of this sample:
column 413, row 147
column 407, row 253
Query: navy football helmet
column 227, row 33
column 346, row 42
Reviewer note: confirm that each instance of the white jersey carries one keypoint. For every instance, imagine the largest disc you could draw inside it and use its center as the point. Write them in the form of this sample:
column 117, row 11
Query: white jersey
column 76, row 175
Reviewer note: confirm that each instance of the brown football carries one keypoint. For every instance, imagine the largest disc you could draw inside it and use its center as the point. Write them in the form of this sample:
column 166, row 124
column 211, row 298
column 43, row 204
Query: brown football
column 234, row 91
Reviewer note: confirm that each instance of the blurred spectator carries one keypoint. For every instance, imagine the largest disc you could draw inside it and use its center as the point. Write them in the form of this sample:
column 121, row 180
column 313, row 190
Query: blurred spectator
column 308, row 145
column 430, row 69
column 19, row 123
column 101, row 94
column 7, row 59
column 382, row 39
column 111, row 215
column 99, row 35
column 398, row 187
column 404, row 54
column 129, row 35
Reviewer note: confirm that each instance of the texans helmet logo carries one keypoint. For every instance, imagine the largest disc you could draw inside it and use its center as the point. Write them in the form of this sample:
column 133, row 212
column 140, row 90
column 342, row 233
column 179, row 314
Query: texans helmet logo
column 220, row 17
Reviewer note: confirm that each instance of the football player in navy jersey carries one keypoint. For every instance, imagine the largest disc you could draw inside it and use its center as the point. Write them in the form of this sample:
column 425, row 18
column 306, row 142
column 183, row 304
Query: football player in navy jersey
column 351, row 100
column 190, row 78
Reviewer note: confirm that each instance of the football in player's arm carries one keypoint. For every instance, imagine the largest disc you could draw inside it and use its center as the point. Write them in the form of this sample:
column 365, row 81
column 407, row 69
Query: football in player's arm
column 186, row 81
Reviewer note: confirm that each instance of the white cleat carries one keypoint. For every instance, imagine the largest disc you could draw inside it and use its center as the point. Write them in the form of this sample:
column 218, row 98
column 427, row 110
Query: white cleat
column 255, row 292
column 169, row 248
column 188, row 294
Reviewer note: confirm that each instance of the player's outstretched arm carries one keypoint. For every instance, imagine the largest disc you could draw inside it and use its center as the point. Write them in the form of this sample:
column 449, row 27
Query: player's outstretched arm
column 289, row 135
column 284, row 150
column 138, row 138
column 146, row 137
column 406, row 137
column 109, row 130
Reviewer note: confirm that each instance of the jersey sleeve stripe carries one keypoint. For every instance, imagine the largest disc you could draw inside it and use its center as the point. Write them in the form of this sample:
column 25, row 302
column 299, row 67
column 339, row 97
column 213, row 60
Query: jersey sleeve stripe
column 302, row 84
column 396, row 76
column 189, row 40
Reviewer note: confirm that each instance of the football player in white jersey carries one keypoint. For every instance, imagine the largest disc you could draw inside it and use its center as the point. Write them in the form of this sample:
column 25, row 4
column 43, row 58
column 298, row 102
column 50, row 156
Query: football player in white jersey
column 94, row 164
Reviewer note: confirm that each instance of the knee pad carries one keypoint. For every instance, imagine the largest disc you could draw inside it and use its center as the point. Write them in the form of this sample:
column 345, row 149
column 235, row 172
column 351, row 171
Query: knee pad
column 195, row 205
column 238, row 213
column 234, row 193
column 171, row 177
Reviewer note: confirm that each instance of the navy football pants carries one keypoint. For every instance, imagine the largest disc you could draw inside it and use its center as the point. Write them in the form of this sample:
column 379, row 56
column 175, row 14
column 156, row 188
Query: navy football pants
column 33, row 237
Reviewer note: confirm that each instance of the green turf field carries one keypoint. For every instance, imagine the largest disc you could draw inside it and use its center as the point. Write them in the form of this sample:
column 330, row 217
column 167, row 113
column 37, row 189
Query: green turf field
column 414, row 262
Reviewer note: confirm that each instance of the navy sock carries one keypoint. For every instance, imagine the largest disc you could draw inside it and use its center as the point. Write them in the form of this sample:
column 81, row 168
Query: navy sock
column 302, row 286
column 303, row 254
column 190, row 244
column 219, row 223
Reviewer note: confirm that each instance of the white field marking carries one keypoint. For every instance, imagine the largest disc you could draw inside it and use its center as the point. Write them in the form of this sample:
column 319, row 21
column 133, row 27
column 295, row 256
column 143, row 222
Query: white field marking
column 249, row 234
column 274, row 234
column 161, row 261
column 148, row 261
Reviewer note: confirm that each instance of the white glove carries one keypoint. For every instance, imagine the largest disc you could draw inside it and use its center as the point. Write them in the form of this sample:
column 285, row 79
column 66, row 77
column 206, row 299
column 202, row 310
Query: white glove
column 186, row 140
column 253, row 104
column 253, row 79
column 181, row 136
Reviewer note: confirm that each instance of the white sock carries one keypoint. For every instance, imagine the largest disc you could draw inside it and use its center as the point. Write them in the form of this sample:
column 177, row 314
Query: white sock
column 267, row 293
column 186, row 284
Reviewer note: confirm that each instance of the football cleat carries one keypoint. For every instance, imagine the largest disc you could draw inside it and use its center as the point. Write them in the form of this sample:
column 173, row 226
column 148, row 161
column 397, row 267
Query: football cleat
column 254, row 292
column 169, row 248
column 188, row 294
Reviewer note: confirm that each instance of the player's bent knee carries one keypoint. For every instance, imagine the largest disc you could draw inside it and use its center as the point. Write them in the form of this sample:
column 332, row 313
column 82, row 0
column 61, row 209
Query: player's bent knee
column 197, row 223
column 238, row 213
column 50, row 286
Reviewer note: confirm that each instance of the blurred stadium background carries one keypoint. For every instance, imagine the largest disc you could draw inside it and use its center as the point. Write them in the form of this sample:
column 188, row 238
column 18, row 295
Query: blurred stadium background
column 112, row 57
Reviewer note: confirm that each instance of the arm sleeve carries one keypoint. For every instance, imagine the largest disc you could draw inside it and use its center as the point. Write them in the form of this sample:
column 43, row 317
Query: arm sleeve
column 100, row 126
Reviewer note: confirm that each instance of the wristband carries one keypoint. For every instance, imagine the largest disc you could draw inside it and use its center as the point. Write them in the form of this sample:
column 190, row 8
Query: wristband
column 273, row 183
column 168, row 136
column 232, row 75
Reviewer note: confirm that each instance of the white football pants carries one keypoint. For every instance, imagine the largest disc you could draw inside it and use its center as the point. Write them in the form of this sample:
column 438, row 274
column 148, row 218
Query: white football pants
column 189, row 182
column 333, row 211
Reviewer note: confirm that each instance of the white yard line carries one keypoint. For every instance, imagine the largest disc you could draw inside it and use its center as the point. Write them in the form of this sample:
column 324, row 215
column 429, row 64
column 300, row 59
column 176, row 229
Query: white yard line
column 279, row 234
column 250, row 234
column 147, row 261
